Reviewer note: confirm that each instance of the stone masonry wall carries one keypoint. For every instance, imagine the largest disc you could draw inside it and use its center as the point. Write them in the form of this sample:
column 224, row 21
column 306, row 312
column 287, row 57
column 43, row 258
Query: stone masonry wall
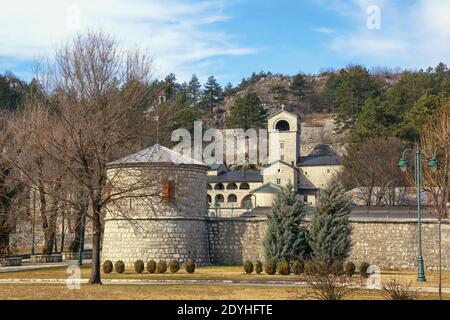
column 386, row 243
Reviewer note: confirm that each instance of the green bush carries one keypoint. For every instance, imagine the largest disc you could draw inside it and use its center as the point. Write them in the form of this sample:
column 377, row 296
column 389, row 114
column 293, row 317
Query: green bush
column 174, row 266
column 350, row 269
column 283, row 268
column 139, row 266
column 248, row 267
column 107, row 266
column 363, row 269
column 151, row 266
column 309, row 268
column 270, row 267
column 337, row 268
column 190, row 266
column 119, row 266
column 258, row 267
column 298, row 267
column 161, row 267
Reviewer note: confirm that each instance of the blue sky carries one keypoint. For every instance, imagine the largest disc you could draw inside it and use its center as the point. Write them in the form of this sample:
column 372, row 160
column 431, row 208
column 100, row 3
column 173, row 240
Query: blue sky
column 232, row 38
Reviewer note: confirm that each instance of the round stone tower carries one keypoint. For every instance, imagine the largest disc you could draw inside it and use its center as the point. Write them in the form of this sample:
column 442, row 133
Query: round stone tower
column 164, row 216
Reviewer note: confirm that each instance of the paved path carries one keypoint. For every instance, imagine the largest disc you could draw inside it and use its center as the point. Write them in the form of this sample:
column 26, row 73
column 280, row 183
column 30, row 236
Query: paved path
column 27, row 267
column 186, row 282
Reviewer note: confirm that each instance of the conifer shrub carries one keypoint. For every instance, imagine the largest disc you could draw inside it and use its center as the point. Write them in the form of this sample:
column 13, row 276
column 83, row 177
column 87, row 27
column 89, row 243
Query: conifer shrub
column 107, row 266
column 174, row 266
column 350, row 269
column 119, row 266
column 190, row 266
column 283, row 268
column 258, row 267
column 139, row 266
column 248, row 267
column 151, row 266
column 363, row 269
column 270, row 267
column 297, row 267
column 161, row 267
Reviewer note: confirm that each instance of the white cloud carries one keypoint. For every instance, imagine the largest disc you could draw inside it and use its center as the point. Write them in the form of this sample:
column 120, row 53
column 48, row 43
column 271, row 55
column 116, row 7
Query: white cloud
column 412, row 36
column 179, row 34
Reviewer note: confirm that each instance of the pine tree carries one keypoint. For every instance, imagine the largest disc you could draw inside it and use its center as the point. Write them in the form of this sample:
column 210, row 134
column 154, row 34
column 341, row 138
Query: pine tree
column 212, row 93
column 330, row 229
column 286, row 237
column 247, row 112
column 194, row 91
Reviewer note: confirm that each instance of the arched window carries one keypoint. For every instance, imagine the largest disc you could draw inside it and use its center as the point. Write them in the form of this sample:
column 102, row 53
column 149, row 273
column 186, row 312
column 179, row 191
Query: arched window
column 208, row 187
column 247, row 202
column 232, row 198
column 244, row 186
column 232, row 186
column 209, row 198
column 219, row 186
column 282, row 125
column 219, row 198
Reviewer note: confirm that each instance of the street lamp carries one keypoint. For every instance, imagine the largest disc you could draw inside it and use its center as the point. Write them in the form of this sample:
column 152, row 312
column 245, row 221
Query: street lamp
column 403, row 164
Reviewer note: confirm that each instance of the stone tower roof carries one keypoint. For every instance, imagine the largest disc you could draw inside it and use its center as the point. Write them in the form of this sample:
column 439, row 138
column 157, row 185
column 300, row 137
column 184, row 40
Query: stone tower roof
column 157, row 154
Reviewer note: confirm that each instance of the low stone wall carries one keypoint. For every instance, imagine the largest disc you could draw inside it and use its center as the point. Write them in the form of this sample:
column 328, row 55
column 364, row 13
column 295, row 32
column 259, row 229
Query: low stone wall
column 164, row 238
column 11, row 262
column 387, row 243
column 46, row 258
column 74, row 255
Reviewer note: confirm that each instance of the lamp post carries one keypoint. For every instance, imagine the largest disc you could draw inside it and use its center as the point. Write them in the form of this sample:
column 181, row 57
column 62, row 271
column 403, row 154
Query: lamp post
column 81, row 245
column 403, row 164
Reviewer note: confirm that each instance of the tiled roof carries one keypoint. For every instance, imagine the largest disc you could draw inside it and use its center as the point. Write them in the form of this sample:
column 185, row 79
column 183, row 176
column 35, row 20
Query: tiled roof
column 237, row 176
column 157, row 154
column 320, row 161
column 267, row 188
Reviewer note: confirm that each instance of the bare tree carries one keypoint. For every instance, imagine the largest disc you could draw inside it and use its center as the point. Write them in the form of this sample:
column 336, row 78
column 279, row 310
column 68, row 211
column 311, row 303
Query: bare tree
column 93, row 86
column 372, row 166
column 435, row 142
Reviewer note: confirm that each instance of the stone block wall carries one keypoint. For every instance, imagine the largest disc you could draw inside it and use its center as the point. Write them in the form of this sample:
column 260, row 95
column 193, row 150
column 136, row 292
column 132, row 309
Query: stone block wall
column 389, row 244
column 158, row 238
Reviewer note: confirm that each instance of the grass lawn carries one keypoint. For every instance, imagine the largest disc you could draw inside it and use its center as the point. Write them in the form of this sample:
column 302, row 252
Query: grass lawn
column 184, row 291
column 169, row 292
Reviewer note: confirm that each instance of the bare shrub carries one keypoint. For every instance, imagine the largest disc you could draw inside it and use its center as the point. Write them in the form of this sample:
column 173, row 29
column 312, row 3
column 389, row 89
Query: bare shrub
column 397, row 290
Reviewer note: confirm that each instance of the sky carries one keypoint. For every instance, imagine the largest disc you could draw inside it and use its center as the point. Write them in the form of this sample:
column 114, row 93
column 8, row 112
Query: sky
column 230, row 39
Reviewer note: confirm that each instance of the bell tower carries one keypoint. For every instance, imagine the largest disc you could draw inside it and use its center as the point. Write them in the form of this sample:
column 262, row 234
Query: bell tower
column 284, row 137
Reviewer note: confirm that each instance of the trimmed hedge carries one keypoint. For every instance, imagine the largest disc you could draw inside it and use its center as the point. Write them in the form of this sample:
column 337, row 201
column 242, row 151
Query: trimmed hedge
column 248, row 267
column 161, row 267
column 139, row 266
column 119, row 266
column 309, row 268
column 363, row 269
column 258, row 267
column 190, row 266
column 283, row 268
column 174, row 266
column 107, row 266
column 270, row 267
column 298, row 267
column 151, row 266
column 350, row 269
column 337, row 268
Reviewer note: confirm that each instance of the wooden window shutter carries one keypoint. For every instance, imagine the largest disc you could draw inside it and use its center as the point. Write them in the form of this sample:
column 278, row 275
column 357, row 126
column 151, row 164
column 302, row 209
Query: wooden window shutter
column 168, row 191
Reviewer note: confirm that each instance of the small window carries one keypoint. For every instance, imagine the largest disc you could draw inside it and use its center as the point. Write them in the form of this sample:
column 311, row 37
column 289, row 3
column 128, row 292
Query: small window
column 279, row 170
column 232, row 198
column 244, row 186
column 305, row 198
column 306, row 173
column 281, row 145
column 328, row 170
column 278, row 181
column 282, row 157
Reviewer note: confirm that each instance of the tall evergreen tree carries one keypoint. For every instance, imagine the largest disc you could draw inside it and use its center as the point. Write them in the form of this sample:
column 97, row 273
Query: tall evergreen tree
column 247, row 112
column 330, row 229
column 212, row 93
column 286, row 237
column 194, row 91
